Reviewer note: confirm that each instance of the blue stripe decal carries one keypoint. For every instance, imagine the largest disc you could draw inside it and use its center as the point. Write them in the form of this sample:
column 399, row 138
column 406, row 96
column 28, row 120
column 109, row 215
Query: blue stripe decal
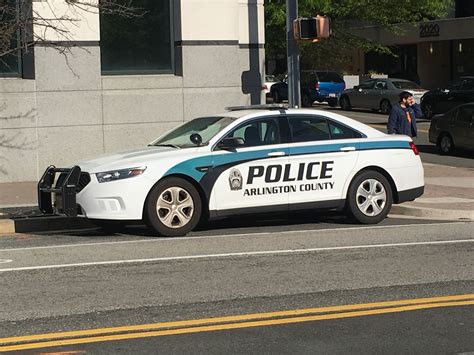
column 188, row 167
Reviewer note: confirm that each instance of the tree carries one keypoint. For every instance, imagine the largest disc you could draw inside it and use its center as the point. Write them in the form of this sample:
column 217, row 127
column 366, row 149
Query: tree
column 344, row 16
column 22, row 24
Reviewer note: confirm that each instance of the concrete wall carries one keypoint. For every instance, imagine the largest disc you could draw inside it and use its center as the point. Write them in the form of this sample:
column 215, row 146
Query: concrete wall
column 71, row 112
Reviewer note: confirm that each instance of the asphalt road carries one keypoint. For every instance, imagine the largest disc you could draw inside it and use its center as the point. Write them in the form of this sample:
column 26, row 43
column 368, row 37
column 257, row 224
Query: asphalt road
column 87, row 280
column 429, row 152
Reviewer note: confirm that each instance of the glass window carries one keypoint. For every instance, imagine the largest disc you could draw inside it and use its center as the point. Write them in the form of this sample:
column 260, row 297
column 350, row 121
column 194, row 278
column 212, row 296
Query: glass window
column 10, row 62
column 367, row 85
column 381, row 85
column 141, row 44
column 307, row 128
column 206, row 127
column 465, row 114
column 258, row 132
column 405, row 85
column 339, row 131
column 329, row 77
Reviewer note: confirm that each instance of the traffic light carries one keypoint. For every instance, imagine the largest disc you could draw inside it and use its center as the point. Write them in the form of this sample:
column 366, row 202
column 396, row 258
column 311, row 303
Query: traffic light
column 311, row 28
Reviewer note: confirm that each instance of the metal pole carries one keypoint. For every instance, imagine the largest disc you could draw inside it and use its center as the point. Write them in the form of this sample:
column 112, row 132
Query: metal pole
column 293, row 58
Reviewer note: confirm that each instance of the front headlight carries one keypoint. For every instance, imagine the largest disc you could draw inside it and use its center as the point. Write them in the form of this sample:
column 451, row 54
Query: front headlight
column 119, row 174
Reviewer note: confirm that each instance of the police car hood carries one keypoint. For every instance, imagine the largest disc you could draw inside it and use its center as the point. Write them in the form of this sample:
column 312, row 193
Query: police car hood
column 128, row 159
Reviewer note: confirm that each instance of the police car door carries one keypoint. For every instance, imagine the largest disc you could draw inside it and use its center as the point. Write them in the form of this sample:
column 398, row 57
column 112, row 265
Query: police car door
column 252, row 176
column 323, row 154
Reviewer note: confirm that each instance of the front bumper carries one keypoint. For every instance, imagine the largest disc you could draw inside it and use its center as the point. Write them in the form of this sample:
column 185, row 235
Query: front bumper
column 57, row 193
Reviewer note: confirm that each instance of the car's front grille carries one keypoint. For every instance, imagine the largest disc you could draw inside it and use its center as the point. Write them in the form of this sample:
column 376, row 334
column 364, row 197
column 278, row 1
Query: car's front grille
column 84, row 180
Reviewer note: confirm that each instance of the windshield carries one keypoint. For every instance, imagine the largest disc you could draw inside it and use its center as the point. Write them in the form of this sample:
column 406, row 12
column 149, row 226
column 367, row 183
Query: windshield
column 206, row 127
column 405, row 85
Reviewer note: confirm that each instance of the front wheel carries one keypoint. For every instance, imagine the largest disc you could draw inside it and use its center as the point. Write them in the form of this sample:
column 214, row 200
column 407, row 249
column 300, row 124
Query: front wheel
column 306, row 101
column 173, row 208
column 369, row 198
column 345, row 103
column 445, row 144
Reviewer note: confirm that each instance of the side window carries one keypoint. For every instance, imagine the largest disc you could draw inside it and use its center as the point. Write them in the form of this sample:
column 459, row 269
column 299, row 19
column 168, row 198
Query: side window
column 465, row 114
column 367, row 85
column 307, row 128
column 258, row 132
column 339, row 131
column 381, row 85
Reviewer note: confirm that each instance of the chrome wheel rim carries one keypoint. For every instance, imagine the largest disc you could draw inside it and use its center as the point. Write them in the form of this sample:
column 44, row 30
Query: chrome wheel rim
column 445, row 144
column 371, row 197
column 429, row 110
column 175, row 207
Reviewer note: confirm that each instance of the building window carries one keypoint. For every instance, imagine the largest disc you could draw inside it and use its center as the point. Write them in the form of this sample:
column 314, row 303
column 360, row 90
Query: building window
column 138, row 45
column 10, row 52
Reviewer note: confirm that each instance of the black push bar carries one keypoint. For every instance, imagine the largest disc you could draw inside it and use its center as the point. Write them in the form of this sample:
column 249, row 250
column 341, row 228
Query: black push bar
column 63, row 191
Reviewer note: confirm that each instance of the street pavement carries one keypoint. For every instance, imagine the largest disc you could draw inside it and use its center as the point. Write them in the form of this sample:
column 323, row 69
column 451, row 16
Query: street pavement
column 86, row 282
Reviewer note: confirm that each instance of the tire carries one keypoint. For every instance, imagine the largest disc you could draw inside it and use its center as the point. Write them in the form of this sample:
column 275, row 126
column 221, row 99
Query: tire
column 445, row 144
column 173, row 208
column 385, row 107
column 345, row 103
column 369, row 198
column 306, row 101
column 276, row 97
column 428, row 110
column 332, row 102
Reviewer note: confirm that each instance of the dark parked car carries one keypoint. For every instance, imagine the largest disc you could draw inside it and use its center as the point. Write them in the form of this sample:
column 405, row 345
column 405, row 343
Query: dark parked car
column 453, row 129
column 316, row 85
column 442, row 100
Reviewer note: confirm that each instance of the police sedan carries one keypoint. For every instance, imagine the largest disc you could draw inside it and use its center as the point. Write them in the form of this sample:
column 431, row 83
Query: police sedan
column 244, row 161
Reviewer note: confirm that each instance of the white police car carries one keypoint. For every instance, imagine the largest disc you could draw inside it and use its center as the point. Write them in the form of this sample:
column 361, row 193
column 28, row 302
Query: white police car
column 244, row 161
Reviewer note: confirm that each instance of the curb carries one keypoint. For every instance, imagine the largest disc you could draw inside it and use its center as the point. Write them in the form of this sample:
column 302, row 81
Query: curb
column 7, row 226
column 450, row 215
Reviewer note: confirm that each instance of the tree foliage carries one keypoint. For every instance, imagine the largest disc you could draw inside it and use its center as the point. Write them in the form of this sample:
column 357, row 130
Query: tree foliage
column 344, row 16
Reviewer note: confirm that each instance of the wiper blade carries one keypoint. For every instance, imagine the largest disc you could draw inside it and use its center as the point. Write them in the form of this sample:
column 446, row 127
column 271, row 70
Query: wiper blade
column 165, row 145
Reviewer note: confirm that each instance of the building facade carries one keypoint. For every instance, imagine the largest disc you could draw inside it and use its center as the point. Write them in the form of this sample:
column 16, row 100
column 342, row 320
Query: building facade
column 433, row 53
column 124, row 81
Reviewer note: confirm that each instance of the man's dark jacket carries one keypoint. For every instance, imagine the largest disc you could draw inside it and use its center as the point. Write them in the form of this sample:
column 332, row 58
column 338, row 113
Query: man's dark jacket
column 398, row 122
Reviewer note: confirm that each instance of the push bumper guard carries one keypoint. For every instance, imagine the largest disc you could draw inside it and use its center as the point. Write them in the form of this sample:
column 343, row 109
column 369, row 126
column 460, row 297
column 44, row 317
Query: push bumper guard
column 60, row 198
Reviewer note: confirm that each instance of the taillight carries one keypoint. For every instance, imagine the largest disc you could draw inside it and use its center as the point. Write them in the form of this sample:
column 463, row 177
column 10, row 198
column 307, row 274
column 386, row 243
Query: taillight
column 414, row 148
column 264, row 87
column 316, row 86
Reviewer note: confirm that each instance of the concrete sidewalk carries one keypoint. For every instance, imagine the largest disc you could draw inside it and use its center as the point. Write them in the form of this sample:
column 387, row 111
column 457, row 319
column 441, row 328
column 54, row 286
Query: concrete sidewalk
column 449, row 194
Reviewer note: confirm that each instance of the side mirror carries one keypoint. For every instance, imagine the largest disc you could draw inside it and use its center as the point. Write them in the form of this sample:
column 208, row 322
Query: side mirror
column 231, row 143
column 196, row 139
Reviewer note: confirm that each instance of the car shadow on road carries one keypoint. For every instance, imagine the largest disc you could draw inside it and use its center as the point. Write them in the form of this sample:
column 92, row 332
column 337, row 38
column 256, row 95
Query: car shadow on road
column 432, row 149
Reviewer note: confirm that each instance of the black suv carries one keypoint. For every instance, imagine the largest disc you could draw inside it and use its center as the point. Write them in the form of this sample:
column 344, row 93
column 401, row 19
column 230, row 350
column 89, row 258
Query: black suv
column 442, row 100
column 316, row 85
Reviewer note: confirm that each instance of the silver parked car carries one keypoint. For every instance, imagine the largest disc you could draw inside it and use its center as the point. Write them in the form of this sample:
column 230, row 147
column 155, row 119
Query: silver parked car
column 379, row 94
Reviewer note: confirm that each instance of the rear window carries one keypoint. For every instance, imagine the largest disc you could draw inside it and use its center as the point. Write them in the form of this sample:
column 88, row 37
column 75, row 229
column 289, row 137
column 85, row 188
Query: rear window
column 329, row 77
column 403, row 85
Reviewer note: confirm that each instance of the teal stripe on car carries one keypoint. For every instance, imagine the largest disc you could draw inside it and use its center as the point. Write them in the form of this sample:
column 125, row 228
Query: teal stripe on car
column 189, row 167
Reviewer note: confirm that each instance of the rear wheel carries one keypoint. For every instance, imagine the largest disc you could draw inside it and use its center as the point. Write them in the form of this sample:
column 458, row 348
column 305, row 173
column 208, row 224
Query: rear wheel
column 173, row 208
column 385, row 107
column 369, row 198
column 428, row 110
column 276, row 97
column 306, row 101
column 445, row 144
column 345, row 103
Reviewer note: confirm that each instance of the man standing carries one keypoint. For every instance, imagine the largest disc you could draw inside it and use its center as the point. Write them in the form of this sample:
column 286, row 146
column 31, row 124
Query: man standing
column 402, row 119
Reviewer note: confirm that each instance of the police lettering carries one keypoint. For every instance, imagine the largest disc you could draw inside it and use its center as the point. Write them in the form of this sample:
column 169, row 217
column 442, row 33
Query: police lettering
column 304, row 171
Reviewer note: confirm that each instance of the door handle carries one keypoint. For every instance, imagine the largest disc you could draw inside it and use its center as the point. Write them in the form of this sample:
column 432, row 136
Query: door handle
column 276, row 154
column 348, row 149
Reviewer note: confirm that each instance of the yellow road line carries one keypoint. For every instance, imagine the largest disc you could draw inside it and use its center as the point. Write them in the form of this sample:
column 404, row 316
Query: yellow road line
column 228, row 319
column 239, row 318
column 253, row 324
